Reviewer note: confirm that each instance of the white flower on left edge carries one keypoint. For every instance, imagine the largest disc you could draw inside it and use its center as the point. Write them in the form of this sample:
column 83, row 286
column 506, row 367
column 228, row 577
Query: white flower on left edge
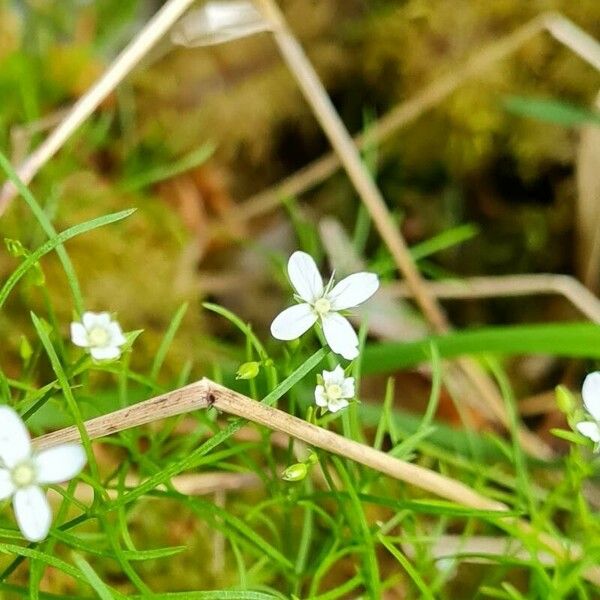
column 100, row 334
column 591, row 400
column 335, row 391
column 23, row 472
column 317, row 301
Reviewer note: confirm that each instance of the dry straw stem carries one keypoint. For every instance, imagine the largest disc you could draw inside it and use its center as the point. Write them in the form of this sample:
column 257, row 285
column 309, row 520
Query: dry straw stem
column 511, row 285
column 343, row 145
column 192, row 484
column 404, row 113
column 87, row 104
column 464, row 370
column 205, row 394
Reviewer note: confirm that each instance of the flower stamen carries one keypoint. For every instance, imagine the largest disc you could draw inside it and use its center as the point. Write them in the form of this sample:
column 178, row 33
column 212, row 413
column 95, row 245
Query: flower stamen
column 334, row 391
column 23, row 475
column 98, row 336
column 322, row 306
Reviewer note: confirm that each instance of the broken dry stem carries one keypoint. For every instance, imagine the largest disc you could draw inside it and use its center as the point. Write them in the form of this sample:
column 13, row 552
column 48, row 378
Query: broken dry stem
column 206, row 394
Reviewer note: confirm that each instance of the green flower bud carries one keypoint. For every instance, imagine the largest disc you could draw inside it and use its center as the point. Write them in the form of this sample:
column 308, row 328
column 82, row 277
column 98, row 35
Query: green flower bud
column 15, row 248
column 564, row 399
column 312, row 459
column 296, row 472
column 25, row 349
column 248, row 370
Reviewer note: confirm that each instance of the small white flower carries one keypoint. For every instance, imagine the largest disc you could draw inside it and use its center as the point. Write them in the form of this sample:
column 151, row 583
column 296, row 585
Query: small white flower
column 23, row 471
column 591, row 400
column 100, row 334
column 335, row 391
column 325, row 303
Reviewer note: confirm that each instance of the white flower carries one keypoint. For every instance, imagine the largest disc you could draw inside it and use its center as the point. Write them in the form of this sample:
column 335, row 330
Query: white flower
column 23, row 471
column 335, row 391
column 591, row 400
column 323, row 302
column 100, row 334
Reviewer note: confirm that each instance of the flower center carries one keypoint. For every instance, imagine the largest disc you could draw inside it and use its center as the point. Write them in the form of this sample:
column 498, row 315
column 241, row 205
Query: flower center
column 23, row 475
column 334, row 391
column 98, row 336
column 322, row 306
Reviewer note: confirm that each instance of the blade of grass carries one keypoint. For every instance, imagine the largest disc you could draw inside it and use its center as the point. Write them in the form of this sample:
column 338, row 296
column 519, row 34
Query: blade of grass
column 53, row 243
column 48, row 228
column 167, row 340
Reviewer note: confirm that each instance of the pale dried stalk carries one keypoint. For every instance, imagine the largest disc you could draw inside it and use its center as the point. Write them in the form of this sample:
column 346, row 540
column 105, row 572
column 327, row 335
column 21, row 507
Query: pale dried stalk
column 512, row 285
column 464, row 370
column 318, row 171
column 85, row 106
column 206, row 394
column 341, row 141
column 184, row 400
column 457, row 547
column 192, row 484
column 399, row 116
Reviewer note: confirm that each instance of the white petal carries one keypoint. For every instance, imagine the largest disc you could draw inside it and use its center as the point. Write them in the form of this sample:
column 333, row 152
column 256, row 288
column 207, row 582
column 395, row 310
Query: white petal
column 7, row 488
column 353, row 290
column 591, row 394
column 334, row 377
column 335, row 405
column 305, row 276
column 320, row 398
column 105, row 352
column 90, row 319
column 293, row 322
column 59, row 464
column 590, row 430
column 15, row 443
column 348, row 388
column 33, row 513
column 116, row 334
column 340, row 336
column 79, row 335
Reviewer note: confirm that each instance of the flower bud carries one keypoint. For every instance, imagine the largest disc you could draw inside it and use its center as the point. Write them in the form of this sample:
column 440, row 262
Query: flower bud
column 15, row 248
column 564, row 400
column 248, row 370
column 25, row 349
column 312, row 459
column 296, row 472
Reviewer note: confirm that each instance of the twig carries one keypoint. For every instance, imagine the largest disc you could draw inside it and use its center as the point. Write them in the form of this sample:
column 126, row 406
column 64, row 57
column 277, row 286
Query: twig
column 184, row 400
column 404, row 113
column 85, row 106
column 399, row 116
column 206, row 393
column 190, row 484
column 474, row 549
column 512, row 285
column 341, row 141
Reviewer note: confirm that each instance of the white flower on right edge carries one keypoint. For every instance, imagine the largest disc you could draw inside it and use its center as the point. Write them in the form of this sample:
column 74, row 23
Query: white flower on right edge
column 98, row 333
column 591, row 400
column 23, row 472
column 336, row 390
column 317, row 301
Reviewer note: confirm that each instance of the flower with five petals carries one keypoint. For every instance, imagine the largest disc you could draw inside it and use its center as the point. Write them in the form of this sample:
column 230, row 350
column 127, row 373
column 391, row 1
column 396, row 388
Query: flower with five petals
column 335, row 391
column 23, row 472
column 318, row 302
column 591, row 400
column 98, row 333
